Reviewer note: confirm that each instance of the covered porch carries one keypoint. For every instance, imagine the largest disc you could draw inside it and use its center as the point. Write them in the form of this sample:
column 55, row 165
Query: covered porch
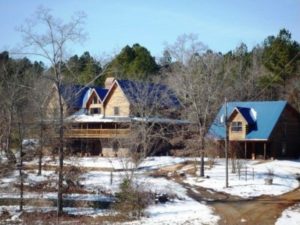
column 252, row 149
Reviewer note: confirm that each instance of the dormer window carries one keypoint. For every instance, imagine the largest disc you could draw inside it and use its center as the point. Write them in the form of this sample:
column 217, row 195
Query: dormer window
column 236, row 126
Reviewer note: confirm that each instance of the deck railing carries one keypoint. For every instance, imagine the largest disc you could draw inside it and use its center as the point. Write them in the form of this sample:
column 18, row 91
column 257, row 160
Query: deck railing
column 97, row 133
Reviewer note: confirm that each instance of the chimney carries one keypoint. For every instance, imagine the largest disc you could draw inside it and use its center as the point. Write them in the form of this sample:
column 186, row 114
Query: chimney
column 108, row 82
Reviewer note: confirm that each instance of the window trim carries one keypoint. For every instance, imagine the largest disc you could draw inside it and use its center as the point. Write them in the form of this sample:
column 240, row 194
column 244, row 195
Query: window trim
column 236, row 126
column 116, row 111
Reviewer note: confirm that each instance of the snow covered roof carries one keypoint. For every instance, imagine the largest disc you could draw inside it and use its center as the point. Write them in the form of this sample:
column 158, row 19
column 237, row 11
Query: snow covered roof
column 96, row 118
column 82, row 117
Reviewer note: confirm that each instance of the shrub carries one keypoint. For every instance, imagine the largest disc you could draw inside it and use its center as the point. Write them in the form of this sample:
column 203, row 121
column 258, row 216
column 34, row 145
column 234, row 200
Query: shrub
column 72, row 177
column 132, row 199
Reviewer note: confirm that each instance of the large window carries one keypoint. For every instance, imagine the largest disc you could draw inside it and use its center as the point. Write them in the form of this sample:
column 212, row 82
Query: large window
column 236, row 126
column 116, row 111
column 95, row 110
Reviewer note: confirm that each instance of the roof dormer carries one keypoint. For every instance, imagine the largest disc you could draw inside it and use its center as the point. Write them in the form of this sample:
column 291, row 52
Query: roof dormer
column 94, row 103
column 241, row 121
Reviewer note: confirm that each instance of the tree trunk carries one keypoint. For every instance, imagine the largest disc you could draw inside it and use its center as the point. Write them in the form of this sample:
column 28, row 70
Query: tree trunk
column 20, row 165
column 202, row 153
column 41, row 149
column 226, row 144
column 202, row 164
column 61, row 155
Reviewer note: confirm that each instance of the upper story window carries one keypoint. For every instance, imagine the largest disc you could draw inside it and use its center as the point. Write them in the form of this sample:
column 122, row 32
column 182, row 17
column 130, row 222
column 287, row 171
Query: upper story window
column 116, row 111
column 236, row 126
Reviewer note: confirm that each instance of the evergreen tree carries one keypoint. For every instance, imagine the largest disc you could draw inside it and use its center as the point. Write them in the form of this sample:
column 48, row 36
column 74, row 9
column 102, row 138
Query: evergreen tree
column 84, row 69
column 133, row 62
column 278, row 53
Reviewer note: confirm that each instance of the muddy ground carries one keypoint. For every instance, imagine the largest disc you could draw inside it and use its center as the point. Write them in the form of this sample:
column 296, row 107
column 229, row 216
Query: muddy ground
column 234, row 210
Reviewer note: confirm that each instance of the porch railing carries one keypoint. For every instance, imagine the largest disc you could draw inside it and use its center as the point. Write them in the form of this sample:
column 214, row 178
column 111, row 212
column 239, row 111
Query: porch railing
column 97, row 133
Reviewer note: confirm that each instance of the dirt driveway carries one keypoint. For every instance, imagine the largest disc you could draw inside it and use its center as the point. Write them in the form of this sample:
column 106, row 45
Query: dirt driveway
column 234, row 210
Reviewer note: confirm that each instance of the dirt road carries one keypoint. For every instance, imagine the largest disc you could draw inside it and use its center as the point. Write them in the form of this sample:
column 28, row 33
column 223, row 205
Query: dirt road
column 233, row 210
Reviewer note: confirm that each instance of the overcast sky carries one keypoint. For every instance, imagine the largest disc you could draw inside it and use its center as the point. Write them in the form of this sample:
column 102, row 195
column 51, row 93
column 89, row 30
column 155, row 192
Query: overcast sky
column 111, row 25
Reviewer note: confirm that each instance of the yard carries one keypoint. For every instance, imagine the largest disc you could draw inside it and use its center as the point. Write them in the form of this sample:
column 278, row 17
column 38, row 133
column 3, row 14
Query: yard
column 194, row 200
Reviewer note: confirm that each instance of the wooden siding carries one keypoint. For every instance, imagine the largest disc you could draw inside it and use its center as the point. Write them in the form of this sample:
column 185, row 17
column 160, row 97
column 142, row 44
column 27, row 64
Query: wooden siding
column 97, row 133
column 91, row 99
column 52, row 106
column 286, row 134
column 117, row 99
column 96, row 106
column 234, row 135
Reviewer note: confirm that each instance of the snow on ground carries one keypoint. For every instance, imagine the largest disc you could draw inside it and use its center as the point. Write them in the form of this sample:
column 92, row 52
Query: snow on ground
column 53, row 195
column 33, row 177
column 284, row 179
column 178, row 212
column 2, row 156
column 114, row 163
column 101, row 181
column 290, row 216
column 181, row 210
column 161, row 185
column 6, row 181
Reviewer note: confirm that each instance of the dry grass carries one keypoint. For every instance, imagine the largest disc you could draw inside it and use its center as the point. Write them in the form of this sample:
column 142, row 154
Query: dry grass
column 50, row 218
column 6, row 169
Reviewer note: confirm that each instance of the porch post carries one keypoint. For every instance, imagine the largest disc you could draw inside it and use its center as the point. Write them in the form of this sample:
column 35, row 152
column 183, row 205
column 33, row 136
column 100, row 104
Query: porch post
column 265, row 150
column 245, row 147
column 253, row 150
column 81, row 147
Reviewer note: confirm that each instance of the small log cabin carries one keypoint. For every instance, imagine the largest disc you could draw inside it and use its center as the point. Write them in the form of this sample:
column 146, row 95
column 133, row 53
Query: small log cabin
column 97, row 117
column 260, row 129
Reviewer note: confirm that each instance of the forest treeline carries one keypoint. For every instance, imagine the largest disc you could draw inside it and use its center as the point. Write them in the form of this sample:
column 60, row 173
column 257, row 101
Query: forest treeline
column 269, row 71
column 272, row 66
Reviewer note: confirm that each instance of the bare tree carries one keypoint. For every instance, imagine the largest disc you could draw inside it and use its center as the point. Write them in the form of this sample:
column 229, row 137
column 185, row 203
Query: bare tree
column 197, row 77
column 11, row 96
column 244, row 71
column 39, row 95
column 151, row 128
column 151, row 124
column 51, row 45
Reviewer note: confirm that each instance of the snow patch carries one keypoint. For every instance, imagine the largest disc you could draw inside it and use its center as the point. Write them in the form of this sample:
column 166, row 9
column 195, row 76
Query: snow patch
column 290, row 216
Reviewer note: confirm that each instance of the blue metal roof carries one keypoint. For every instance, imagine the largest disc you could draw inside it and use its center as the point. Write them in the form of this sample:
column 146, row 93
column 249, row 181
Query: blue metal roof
column 101, row 92
column 267, row 115
column 73, row 95
column 246, row 113
column 149, row 93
